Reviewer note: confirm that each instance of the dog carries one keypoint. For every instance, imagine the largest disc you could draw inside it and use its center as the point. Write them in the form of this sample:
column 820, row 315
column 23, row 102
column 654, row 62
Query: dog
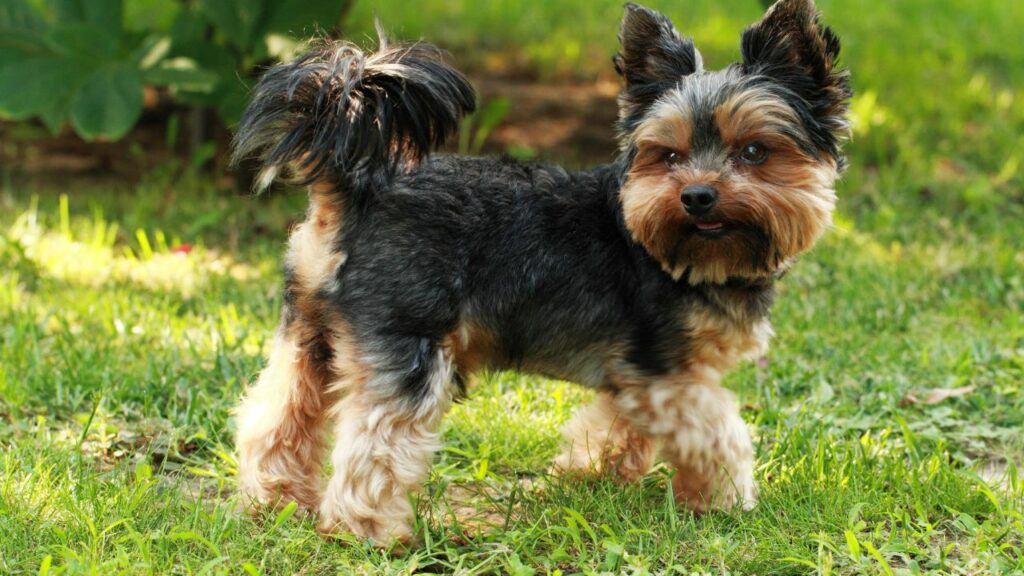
column 646, row 279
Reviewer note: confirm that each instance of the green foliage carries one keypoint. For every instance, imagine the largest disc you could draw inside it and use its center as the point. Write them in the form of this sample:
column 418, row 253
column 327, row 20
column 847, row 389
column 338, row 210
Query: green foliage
column 233, row 38
column 75, row 61
column 476, row 127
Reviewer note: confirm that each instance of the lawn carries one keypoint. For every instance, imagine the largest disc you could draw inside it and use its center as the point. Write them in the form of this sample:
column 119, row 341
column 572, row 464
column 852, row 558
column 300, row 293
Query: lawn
column 132, row 315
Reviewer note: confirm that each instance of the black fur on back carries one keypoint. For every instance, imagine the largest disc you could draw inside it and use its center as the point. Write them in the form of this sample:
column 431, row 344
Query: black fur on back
column 345, row 116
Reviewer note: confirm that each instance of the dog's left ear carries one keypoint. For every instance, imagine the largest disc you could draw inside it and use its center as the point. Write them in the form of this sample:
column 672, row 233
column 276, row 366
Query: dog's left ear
column 653, row 57
column 790, row 46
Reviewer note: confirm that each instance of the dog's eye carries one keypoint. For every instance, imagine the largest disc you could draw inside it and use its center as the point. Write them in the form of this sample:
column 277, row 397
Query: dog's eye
column 673, row 158
column 753, row 153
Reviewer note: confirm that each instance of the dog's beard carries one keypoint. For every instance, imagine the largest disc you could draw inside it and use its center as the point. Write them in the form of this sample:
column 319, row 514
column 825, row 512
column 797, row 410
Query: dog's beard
column 736, row 250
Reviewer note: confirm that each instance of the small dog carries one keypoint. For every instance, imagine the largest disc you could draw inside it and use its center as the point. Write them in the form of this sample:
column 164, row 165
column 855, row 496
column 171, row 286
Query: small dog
column 646, row 279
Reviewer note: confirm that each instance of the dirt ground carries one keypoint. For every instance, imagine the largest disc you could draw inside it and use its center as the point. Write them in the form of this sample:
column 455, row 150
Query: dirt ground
column 571, row 123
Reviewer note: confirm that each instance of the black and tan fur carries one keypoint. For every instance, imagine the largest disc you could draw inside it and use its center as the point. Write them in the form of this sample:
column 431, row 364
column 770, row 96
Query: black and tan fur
column 646, row 279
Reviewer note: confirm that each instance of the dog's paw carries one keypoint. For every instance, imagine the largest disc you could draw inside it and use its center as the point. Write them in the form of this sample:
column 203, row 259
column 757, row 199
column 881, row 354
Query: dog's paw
column 574, row 463
column 701, row 494
column 385, row 530
column 394, row 536
column 623, row 466
column 255, row 498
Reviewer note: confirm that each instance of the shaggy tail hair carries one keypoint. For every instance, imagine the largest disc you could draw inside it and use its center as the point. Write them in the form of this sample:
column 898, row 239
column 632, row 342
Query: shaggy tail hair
column 341, row 115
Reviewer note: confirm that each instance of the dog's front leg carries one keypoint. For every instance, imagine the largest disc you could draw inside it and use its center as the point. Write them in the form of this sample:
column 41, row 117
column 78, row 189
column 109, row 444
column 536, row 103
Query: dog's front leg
column 702, row 436
column 599, row 440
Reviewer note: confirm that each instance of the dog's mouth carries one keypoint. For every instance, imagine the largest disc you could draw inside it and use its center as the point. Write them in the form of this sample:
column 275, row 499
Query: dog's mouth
column 712, row 229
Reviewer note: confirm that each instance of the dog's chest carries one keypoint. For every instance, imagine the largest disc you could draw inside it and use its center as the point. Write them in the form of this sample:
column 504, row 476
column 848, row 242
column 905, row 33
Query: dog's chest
column 717, row 342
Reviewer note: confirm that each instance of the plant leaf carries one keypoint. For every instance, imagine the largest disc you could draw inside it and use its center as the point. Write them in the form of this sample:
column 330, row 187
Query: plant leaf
column 151, row 15
column 487, row 120
column 188, row 30
column 208, row 56
column 38, row 85
column 236, row 19
column 107, row 15
column 151, row 51
column 19, row 15
column 182, row 74
column 83, row 42
column 287, row 512
column 108, row 102
column 232, row 99
column 21, row 27
column 301, row 18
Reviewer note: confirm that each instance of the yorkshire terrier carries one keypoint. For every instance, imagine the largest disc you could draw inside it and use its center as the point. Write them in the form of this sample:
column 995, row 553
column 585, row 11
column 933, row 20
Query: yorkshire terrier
column 646, row 279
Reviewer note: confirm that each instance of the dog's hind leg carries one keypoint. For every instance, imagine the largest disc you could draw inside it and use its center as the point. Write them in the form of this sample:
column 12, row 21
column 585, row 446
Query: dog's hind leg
column 280, row 437
column 281, row 420
column 600, row 439
column 386, row 431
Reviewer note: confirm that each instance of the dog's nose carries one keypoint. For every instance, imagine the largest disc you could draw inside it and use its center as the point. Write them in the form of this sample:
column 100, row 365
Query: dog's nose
column 699, row 199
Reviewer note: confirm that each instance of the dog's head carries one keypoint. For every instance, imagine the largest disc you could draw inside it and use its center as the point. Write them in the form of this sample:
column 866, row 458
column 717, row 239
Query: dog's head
column 730, row 174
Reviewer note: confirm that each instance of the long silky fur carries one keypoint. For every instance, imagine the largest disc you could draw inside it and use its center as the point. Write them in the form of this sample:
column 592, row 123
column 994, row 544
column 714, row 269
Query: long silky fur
column 345, row 116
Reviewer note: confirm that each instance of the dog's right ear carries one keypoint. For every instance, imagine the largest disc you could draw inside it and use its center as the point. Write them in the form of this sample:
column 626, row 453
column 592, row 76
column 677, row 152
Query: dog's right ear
column 652, row 58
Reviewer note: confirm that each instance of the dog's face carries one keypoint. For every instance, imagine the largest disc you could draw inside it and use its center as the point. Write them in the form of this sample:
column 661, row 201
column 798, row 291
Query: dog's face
column 730, row 173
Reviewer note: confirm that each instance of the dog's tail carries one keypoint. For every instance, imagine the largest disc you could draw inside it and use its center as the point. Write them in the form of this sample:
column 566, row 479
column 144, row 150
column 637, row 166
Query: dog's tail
column 349, row 118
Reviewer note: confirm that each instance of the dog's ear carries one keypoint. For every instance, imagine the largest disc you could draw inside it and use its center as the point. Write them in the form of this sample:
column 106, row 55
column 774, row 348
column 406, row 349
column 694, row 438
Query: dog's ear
column 652, row 58
column 790, row 46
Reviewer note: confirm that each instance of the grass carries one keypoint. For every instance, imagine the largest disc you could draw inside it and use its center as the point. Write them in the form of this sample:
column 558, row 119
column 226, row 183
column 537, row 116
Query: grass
column 132, row 316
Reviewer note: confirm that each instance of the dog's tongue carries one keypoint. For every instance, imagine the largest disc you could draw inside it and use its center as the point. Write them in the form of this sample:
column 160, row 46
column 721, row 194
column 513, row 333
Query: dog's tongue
column 709, row 225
